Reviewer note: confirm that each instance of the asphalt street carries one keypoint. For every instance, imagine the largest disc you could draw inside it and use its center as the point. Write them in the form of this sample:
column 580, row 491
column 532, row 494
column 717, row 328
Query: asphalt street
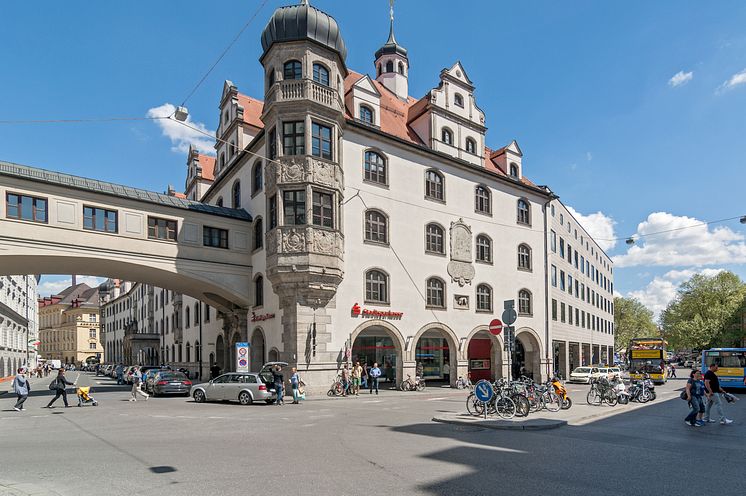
column 368, row 445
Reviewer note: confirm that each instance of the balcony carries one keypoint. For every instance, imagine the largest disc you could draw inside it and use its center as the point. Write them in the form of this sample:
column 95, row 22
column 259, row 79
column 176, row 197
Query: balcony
column 302, row 240
column 293, row 90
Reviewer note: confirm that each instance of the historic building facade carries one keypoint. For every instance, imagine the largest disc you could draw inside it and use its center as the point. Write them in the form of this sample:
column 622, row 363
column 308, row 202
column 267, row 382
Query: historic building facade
column 383, row 229
column 19, row 330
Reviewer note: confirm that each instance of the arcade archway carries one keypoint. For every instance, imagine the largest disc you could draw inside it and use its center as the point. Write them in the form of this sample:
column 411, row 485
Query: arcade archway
column 379, row 342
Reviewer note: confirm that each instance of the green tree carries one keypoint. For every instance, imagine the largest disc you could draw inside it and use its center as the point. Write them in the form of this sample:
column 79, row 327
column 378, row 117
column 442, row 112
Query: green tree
column 705, row 312
column 633, row 320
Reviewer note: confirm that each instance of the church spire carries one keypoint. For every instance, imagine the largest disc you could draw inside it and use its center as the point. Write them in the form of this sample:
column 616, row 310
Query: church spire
column 392, row 63
column 392, row 39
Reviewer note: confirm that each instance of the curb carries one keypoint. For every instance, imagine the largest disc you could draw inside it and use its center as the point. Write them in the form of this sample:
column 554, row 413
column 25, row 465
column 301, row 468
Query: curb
column 505, row 425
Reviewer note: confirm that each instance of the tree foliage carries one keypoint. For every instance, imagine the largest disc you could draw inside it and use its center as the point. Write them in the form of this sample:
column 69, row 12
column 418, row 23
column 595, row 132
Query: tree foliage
column 633, row 320
column 705, row 313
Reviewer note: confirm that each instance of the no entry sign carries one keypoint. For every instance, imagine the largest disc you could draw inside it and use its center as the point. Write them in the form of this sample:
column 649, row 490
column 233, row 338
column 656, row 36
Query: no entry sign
column 496, row 327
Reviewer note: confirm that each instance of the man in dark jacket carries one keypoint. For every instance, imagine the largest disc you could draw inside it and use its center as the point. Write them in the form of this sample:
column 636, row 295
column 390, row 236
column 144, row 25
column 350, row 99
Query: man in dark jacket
column 60, row 383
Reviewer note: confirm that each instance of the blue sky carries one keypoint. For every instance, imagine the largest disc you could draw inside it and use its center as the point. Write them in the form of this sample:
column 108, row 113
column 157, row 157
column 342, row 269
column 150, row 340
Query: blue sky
column 624, row 108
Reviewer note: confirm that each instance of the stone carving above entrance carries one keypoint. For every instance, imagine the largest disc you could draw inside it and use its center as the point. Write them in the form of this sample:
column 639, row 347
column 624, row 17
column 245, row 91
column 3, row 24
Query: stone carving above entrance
column 460, row 267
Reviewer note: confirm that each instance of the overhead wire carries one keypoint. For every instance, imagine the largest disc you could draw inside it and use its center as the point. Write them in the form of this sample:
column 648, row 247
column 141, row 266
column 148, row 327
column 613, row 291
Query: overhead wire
column 90, row 119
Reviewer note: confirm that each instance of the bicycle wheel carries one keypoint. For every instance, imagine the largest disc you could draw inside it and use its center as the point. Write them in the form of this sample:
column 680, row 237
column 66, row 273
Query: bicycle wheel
column 611, row 398
column 552, row 402
column 473, row 406
column 534, row 402
column 522, row 408
column 505, row 407
column 421, row 386
column 593, row 397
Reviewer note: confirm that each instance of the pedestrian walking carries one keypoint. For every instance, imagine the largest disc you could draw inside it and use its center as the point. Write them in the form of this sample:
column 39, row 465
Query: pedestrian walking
column 279, row 381
column 714, row 396
column 296, row 384
column 373, row 376
column 673, row 371
column 59, row 386
column 22, row 388
column 364, row 377
column 345, row 380
column 119, row 371
column 357, row 374
column 695, row 392
column 136, row 382
column 447, row 373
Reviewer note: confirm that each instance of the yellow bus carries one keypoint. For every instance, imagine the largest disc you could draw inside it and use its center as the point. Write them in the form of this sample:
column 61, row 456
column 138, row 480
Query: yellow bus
column 648, row 356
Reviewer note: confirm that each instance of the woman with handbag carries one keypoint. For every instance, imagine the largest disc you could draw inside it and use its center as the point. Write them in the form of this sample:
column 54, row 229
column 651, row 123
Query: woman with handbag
column 58, row 386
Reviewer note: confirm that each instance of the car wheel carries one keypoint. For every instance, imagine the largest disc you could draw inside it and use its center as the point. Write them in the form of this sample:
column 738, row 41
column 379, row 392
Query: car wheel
column 244, row 398
column 199, row 396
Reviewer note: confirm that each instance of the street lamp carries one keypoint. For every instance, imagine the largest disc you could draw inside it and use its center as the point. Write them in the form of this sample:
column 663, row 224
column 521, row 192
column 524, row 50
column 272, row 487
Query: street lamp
column 630, row 241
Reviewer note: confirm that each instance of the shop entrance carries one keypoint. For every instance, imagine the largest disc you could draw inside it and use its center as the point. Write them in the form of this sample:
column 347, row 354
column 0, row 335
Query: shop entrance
column 574, row 356
column 485, row 357
column 527, row 356
column 595, row 360
column 257, row 350
column 433, row 356
column 586, row 356
column 375, row 345
column 560, row 363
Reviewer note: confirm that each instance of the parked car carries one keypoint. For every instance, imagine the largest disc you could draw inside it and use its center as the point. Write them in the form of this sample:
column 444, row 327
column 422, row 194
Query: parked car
column 163, row 382
column 266, row 373
column 244, row 387
column 690, row 363
column 583, row 374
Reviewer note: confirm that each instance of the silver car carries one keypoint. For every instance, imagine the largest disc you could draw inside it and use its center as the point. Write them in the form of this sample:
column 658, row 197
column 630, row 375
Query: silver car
column 244, row 387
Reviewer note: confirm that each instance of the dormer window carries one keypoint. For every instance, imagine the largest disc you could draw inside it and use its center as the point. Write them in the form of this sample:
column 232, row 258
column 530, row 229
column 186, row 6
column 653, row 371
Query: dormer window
column 293, row 70
column 446, row 136
column 321, row 74
column 471, row 146
column 458, row 100
column 514, row 171
column 366, row 114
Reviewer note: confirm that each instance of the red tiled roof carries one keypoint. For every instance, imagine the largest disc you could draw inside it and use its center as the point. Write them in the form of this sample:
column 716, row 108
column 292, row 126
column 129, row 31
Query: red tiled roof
column 208, row 166
column 252, row 110
column 178, row 195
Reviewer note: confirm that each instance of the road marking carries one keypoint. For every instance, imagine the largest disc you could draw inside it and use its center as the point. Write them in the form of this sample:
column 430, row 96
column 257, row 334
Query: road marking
column 308, row 425
column 215, row 418
column 373, row 401
column 437, row 399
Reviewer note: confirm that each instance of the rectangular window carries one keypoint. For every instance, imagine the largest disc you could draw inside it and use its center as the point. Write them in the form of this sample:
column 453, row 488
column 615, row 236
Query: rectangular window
column 161, row 229
column 554, row 276
column 554, row 309
column 577, row 289
column 25, row 207
column 92, row 334
column 91, row 346
column 562, row 248
column 582, row 264
column 577, row 318
column 582, row 317
column 576, row 259
column 294, row 206
column 562, row 280
column 562, row 312
column 99, row 219
column 322, row 210
column 569, row 254
column 569, row 283
column 272, row 144
column 217, row 238
column 569, row 314
column 321, row 141
column 272, row 209
column 553, row 241
column 293, row 138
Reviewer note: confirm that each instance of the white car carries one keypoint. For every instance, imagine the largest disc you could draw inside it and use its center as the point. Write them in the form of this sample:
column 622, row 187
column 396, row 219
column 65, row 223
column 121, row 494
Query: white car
column 690, row 363
column 583, row 374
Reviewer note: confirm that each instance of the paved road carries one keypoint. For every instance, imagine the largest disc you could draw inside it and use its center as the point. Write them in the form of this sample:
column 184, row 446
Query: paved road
column 366, row 445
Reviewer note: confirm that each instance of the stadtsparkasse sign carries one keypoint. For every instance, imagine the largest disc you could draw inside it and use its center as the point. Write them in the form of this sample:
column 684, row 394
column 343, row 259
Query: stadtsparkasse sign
column 357, row 310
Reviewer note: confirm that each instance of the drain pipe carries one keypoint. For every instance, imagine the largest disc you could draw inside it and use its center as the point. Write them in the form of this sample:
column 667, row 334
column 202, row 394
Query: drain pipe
column 552, row 197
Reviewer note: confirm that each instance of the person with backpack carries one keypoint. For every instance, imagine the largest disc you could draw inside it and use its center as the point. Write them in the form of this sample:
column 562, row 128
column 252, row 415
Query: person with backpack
column 22, row 388
column 695, row 395
column 59, row 386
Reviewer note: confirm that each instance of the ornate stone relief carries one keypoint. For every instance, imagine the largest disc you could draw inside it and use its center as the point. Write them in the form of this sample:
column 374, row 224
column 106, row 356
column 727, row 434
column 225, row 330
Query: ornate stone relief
column 324, row 242
column 460, row 267
column 293, row 241
column 293, row 172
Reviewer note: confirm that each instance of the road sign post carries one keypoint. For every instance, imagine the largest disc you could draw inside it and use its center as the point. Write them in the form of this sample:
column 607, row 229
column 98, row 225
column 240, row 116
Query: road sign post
column 483, row 392
column 509, row 317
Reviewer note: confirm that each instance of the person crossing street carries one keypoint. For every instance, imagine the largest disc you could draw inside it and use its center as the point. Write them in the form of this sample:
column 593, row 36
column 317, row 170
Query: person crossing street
column 59, row 386
column 22, row 388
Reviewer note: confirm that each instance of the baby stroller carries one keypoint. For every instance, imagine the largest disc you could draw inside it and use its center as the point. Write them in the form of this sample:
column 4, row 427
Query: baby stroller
column 84, row 396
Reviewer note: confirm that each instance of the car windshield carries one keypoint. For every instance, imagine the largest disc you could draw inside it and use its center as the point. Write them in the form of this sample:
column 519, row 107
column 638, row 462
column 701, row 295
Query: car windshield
column 581, row 370
column 172, row 376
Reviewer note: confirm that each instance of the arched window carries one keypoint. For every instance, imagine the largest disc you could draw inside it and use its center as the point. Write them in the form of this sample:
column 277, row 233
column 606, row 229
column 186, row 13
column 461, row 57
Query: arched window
column 524, row 302
column 484, row 249
column 187, row 320
column 379, row 69
column 197, row 352
column 434, row 239
column 321, row 74
column 434, row 185
column 436, row 293
column 524, row 212
column 376, row 286
column 514, row 170
column 188, row 352
column 401, row 68
column 484, row 298
column 375, row 167
column 256, row 174
column 236, row 194
column 524, row 257
column 173, row 352
column 219, row 203
column 471, row 146
column 180, row 353
column 293, row 70
column 259, row 291
column 458, row 100
column 446, row 136
column 482, row 200
column 376, row 227
column 390, row 66
column 258, row 234
column 196, row 313
column 366, row 114
column 221, row 162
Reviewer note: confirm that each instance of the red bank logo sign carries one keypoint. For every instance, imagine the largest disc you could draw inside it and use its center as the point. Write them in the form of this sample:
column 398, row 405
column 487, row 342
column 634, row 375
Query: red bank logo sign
column 357, row 310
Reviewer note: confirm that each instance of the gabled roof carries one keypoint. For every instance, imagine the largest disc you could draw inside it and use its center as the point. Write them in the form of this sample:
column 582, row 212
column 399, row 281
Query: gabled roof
column 207, row 163
column 252, row 110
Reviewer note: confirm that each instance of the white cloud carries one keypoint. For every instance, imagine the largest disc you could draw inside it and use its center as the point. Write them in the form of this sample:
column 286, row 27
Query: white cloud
column 695, row 245
column 662, row 289
column 735, row 80
column 589, row 156
column 52, row 285
column 680, row 78
column 181, row 136
column 599, row 225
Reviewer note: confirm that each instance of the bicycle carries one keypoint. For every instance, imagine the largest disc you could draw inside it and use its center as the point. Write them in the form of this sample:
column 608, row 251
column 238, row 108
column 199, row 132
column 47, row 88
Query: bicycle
column 601, row 391
column 418, row 384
